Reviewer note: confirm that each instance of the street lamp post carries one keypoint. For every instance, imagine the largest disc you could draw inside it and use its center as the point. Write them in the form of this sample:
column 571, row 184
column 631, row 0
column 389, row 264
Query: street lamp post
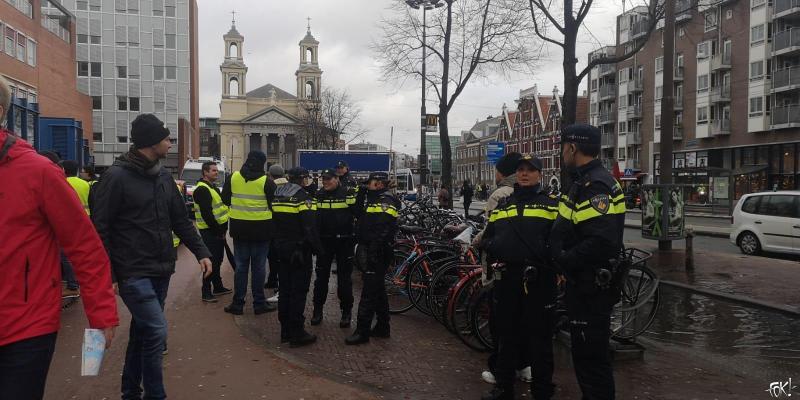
column 423, row 154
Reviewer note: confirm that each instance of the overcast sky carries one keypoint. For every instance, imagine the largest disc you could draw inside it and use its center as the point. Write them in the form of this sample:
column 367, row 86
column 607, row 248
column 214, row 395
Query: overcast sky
column 345, row 28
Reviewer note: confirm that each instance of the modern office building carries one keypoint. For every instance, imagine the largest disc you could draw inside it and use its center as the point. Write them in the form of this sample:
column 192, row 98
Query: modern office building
column 434, row 150
column 138, row 56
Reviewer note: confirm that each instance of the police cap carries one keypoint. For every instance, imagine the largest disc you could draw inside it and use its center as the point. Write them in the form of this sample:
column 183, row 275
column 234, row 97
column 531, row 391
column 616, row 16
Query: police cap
column 297, row 172
column 328, row 173
column 580, row 134
column 342, row 164
column 534, row 162
column 378, row 176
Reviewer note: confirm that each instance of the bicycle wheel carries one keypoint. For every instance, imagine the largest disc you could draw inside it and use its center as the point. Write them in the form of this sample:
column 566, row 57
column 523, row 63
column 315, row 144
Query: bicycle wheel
column 396, row 283
column 480, row 314
column 638, row 303
column 460, row 311
column 420, row 275
column 441, row 288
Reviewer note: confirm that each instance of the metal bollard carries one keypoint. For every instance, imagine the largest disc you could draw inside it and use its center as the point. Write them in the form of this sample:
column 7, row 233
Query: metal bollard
column 689, row 249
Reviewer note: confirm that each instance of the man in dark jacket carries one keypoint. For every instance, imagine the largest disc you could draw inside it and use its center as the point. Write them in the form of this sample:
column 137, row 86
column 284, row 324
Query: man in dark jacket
column 377, row 225
column 249, row 194
column 467, row 192
column 336, row 210
column 136, row 208
column 211, row 217
column 345, row 179
column 296, row 237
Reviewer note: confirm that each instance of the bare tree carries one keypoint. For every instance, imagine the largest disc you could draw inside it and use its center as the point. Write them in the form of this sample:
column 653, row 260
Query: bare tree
column 546, row 19
column 335, row 115
column 466, row 39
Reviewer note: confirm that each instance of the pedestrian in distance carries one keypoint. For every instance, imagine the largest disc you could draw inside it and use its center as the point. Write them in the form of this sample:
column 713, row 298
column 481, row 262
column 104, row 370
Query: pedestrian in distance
column 276, row 174
column 81, row 188
column 249, row 195
column 41, row 214
column 524, row 292
column 296, row 238
column 444, row 198
column 376, row 228
column 343, row 171
column 336, row 210
column 467, row 192
column 211, row 217
column 585, row 242
column 136, row 210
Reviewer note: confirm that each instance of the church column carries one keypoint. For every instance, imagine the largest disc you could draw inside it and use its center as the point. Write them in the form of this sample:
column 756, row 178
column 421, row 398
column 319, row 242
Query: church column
column 282, row 149
column 263, row 142
column 246, row 144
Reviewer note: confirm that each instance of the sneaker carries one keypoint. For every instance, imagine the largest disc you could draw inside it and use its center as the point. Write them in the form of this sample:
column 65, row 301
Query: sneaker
column 209, row 298
column 68, row 293
column 222, row 291
column 266, row 308
column 524, row 375
column 273, row 299
column 165, row 351
column 488, row 377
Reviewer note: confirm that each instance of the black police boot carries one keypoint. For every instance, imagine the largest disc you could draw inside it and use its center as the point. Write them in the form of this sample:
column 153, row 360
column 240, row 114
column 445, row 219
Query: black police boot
column 499, row 393
column 266, row 308
column 303, row 339
column 234, row 309
column 316, row 319
column 380, row 331
column 358, row 337
column 345, row 321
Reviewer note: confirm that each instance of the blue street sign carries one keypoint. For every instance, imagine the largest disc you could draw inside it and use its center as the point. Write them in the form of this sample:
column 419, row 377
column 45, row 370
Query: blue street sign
column 495, row 150
column 628, row 172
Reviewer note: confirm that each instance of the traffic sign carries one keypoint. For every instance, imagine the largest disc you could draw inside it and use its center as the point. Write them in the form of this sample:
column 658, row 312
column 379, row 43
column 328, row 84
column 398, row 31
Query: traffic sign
column 495, row 150
column 628, row 172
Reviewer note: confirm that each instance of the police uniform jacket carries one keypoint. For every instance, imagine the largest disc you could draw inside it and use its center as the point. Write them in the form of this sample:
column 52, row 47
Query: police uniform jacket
column 335, row 212
column 378, row 217
column 591, row 221
column 294, row 215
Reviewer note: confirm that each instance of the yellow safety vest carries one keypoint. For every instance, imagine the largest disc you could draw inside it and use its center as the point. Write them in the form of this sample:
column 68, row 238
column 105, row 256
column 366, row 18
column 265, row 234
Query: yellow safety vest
column 82, row 188
column 248, row 201
column 176, row 241
column 219, row 209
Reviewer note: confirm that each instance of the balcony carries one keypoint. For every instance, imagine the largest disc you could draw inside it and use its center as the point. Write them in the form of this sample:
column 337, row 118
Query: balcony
column 683, row 10
column 606, row 69
column 607, row 92
column 607, row 140
column 721, row 62
column 786, row 42
column 786, row 79
column 607, row 117
column 634, row 164
column 640, row 28
column 634, row 138
column 635, row 111
column 786, row 8
column 721, row 94
column 636, row 85
column 721, row 127
column 786, row 117
column 677, row 132
column 677, row 73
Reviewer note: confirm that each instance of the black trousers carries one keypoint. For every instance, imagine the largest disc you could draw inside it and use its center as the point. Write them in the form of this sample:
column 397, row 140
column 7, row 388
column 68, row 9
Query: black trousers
column 373, row 303
column 590, row 331
column 216, row 246
column 23, row 367
column 341, row 250
column 466, row 207
column 524, row 326
column 272, row 277
column 294, row 264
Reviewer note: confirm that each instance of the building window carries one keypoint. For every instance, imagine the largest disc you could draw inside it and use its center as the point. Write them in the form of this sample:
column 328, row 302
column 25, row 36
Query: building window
column 169, row 11
column 659, row 64
column 703, row 49
column 702, row 115
column 94, row 39
column 711, row 20
column 11, row 35
column 621, row 128
column 658, row 122
column 757, row 3
column 83, row 38
column 170, row 72
column 170, row 40
column 756, row 106
column 756, row 70
column 702, row 82
column 83, row 68
column 122, row 103
column 122, row 71
column 21, row 41
column 97, row 102
column 159, row 106
column 728, row 14
column 133, row 103
column 122, row 139
column 659, row 92
column 97, row 136
column 24, row 6
column 158, row 73
column 623, row 75
column 621, row 153
column 82, row 5
column 756, row 34
column 681, row 32
column 96, row 69
column 31, row 53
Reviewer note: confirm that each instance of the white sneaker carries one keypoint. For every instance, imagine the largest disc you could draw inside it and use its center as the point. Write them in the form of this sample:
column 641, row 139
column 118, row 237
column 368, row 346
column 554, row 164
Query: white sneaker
column 273, row 299
column 525, row 375
column 488, row 377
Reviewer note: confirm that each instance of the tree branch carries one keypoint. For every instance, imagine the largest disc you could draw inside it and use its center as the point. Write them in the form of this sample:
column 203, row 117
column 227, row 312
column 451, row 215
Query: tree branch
column 536, row 28
column 545, row 10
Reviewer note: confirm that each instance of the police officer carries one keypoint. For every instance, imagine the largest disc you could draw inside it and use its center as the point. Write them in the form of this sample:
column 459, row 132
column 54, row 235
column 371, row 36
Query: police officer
column 586, row 236
column 343, row 171
column 211, row 217
column 336, row 210
column 375, row 230
column 525, row 290
column 296, row 237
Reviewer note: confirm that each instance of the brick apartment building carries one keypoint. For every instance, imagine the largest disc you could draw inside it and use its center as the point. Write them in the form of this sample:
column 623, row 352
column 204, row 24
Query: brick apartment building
column 535, row 126
column 471, row 160
column 37, row 58
column 737, row 99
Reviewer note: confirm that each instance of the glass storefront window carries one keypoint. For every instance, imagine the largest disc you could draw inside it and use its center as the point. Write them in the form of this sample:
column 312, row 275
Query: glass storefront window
column 748, row 156
column 789, row 156
column 726, row 159
column 763, row 155
column 775, row 159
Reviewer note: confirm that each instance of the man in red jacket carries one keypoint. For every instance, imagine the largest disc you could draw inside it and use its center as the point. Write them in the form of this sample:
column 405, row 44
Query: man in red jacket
column 39, row 213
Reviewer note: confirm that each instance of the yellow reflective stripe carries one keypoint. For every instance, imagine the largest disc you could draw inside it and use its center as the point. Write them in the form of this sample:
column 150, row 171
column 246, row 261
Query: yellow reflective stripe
column 589, row 213
column 350, row 200
column 336, row 204
column 379, row 209
column 218, row 208
column 248, row 201
column 176, row 241
column 293, row 208
column 505, row 213
column 564, row 210
column 285, row 209
column 247, row 196
column 539, row 213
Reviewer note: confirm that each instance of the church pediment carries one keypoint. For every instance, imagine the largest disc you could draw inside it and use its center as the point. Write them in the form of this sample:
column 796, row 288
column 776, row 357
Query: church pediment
column 271, row 115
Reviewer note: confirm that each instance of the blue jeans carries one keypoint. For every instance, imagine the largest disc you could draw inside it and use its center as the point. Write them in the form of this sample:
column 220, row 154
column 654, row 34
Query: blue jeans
column 251, row 257
column 67, row 273
column 144, row 298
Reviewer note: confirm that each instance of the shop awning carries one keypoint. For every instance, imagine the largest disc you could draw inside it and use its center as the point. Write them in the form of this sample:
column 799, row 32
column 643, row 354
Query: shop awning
column 633, row 177
column 748, row 169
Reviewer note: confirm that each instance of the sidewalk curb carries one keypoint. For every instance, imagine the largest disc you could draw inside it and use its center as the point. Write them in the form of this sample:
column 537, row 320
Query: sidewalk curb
column 696, row 231
column 736, row 298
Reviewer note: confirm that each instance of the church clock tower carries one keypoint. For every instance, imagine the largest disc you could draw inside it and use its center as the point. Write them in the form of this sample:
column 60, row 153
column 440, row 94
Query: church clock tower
column 309, row 76
column 234, row 72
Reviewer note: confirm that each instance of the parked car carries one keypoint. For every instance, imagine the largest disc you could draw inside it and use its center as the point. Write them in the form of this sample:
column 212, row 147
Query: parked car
column 768, row 221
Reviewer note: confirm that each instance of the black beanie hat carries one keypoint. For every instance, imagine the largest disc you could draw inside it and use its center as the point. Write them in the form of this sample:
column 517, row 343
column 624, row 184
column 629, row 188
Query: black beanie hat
column 147, row 130
column 255, row 160
column 507, row 164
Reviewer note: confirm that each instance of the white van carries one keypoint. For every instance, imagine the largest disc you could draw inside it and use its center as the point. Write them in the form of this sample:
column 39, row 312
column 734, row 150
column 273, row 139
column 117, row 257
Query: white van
column 193, row 172
column 768, row 221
